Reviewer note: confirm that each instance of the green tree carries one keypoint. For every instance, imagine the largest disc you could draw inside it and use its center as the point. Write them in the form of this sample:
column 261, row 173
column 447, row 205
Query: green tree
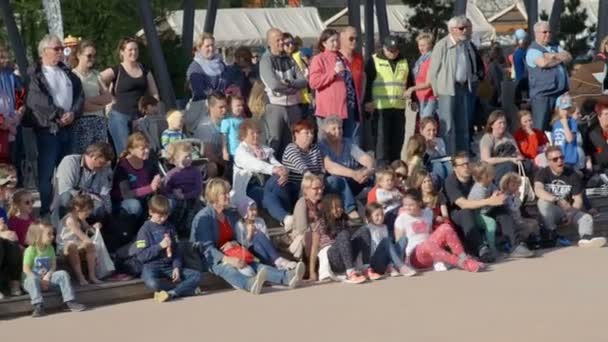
column 429, row 16
column 572, row 25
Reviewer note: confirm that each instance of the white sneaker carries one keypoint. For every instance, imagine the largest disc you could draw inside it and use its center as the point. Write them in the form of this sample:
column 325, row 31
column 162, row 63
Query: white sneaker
column 589, row 242
column 288, row 223
column 440, row 266
column 284, row 264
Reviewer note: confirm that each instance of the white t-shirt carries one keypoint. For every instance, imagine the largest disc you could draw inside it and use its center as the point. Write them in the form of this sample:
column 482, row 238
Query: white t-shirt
column 417, row 229
column 60, row 86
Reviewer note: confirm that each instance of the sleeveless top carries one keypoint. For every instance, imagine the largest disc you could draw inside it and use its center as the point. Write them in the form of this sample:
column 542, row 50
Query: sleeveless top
column 127, row 90
column 90, row 85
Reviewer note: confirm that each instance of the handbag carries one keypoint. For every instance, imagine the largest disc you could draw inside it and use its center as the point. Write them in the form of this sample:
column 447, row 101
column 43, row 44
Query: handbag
column 104, row 265
column 526, row 192
column 240, row 253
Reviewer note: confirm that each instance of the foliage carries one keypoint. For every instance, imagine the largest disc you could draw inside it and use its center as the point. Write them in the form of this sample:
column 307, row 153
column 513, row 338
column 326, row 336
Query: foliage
column 572, row 25
column 430, row 16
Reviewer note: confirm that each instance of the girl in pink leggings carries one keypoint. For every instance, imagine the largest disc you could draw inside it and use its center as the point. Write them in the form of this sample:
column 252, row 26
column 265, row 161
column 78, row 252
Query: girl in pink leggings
column 426, row 247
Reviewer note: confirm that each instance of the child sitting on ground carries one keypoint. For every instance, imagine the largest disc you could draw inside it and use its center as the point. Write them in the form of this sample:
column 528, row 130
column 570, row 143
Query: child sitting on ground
column 251, row 233
column 401, row 174
column 152, row 124
column 40, row 269
column 21, row 213
column 414, row 153
column 157, row 249
column 531, row 141
column 483, row 174
column 509, row 185
column 426, row 247
column 73, row 239
column 174, row 132
column 379, row 251
column 439, row 163
column 230, row 126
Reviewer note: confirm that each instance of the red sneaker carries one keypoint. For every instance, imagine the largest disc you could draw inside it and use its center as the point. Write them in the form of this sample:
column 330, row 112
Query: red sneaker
column 371, row 275
column 472, row 265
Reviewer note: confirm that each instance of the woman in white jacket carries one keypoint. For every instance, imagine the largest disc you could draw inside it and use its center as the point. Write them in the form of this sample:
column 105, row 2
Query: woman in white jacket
column 259, row 175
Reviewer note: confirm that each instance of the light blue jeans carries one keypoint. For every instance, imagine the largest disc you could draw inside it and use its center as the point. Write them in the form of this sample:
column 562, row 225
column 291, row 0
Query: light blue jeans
column 235, row 278
column 454, row 118
column 132, row 206
column 120, row 127
column 59, row 279
column 428, row 108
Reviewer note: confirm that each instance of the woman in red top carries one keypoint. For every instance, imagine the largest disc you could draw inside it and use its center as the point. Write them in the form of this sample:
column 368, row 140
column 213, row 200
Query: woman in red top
column 427, row 100
column 213, row 234
column 531, row 141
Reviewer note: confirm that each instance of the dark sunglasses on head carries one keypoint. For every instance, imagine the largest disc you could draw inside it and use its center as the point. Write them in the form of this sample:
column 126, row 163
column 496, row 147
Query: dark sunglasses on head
column 556, row 159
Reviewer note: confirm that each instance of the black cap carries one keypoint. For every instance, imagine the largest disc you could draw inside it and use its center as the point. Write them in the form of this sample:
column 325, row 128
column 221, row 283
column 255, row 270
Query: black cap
column 391, row 42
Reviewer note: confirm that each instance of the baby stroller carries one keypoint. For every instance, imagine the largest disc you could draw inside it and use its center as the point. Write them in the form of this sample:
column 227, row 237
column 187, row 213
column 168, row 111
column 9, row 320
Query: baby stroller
column 183, row 211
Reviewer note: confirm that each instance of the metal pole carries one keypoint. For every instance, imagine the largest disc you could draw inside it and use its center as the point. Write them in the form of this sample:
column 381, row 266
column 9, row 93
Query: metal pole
column 602, row 25
column 188, row 27
column 382, row 18
column 212, row 6
column 556, row 13
column 354, row 18
column 14, row 37
column 369, row 29
column 532, row 9
column 163, row 79
column 460, row 7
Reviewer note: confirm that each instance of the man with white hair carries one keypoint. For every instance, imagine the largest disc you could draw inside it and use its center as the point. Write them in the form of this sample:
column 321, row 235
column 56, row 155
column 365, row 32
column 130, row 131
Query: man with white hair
column 455, row 71
column 55, row 98
column 547, row 74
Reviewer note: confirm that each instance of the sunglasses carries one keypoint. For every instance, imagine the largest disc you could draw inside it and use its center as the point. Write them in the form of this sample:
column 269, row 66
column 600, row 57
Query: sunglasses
column 556, row 159
column 545, row 32
column 56, row 48
column 288, row 43
column 400, row 175
column 90, row 56
column 462, row 164
column 255, row 56
column 462, row 28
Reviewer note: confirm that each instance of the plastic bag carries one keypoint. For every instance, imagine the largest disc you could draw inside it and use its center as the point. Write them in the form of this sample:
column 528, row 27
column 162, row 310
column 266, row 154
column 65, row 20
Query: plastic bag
column 104, row 265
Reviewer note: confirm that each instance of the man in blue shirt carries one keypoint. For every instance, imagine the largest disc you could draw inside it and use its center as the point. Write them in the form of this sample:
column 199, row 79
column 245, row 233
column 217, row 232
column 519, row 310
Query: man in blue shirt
column 547, row 74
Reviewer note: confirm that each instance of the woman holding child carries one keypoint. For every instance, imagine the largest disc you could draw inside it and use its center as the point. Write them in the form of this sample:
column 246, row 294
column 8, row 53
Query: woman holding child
column 213, row 231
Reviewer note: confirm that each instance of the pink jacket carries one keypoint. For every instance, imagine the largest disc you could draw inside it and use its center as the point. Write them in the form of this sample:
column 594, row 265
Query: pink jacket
column 330, row 88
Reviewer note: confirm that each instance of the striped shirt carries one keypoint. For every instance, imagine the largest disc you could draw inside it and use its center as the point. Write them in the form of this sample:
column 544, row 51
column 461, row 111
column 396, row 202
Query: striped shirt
column 170, row 136
column 298, row 161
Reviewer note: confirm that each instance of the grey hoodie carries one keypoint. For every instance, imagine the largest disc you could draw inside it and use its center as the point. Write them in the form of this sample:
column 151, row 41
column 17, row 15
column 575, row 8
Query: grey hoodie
column 282, row 78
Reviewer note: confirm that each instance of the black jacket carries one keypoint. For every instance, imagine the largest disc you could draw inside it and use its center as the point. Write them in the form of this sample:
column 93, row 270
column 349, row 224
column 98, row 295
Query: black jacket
column 41, row 110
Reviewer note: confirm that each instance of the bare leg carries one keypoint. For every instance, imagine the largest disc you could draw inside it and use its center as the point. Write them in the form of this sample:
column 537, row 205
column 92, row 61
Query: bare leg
column 73, row 255
column 91, row 259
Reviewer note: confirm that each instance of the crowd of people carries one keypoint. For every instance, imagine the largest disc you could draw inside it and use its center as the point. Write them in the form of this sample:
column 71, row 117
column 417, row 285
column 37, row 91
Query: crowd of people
column 281, row 140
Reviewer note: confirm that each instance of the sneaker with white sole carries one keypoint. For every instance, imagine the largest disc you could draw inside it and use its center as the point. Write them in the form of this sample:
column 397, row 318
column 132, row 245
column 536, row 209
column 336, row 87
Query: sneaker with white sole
column 288, row 223
column 284, row 264
column 439, row 266
column 296, row 275
column 587, row 241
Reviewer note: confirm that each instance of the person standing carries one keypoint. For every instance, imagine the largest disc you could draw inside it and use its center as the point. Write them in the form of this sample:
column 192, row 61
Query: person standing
column 292, row 48
column 427, row 101
column 547, row 74
column 353, row 61
column 455, row 71
column 130, row 80
column 387, row 77
column 55, row 98
column 283, row 81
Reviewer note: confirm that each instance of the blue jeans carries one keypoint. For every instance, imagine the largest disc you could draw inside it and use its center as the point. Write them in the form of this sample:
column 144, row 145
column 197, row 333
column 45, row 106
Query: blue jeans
column 273, row 197
column 428, row 108
column 152, row 274
column 59, row 279
column 263, row 249
column 542, row 109
column 120, row 127
column 132, row 206
column 347, row 188
column 386, row 253
column 454, row 115
column 440, row 171
column 235, row 278
column 51, row 150
column 401, row 245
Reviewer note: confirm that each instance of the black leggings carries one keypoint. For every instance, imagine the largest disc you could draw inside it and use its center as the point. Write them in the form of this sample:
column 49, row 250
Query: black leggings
column 10, row 259
column 345, row 250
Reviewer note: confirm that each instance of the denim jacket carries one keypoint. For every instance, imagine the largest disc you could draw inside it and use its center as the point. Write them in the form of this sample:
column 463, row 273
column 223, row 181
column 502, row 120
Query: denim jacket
column 205, row 233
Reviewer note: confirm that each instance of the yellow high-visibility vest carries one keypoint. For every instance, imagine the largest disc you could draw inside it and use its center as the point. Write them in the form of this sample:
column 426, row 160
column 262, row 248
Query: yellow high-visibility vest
column 389, row 86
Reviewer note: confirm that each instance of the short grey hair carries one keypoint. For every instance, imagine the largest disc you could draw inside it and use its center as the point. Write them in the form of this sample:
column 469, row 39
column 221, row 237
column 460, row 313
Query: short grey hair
column 331, row 120
column 45, row 41
column 458, row 20
column 540, row 25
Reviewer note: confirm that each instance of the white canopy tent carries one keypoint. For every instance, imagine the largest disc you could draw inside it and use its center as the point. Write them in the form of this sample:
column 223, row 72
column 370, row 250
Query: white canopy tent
column 398, row 15
column 248, row 26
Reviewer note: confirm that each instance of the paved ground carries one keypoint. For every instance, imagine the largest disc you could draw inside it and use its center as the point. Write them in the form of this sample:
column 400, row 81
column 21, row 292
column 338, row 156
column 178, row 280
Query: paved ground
column 558, row 297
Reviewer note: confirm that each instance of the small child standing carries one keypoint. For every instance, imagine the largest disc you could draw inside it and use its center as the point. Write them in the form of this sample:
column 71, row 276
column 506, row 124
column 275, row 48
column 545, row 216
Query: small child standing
column 73, row 239
column 152, row 124
column 174, row 132
column 184, row 181
column 251, row 233
column 426, row 247
column 483, row 174
column 379, row 251
column 40, row 269
column 564, row 130
column 21, row 214
column 157, row 249
column 230, row 127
